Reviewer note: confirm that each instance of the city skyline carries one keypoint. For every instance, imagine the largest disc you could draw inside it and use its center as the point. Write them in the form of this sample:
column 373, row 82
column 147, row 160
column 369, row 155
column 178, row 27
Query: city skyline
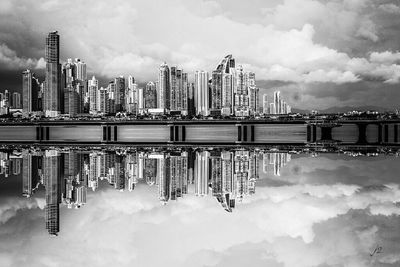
column 230, row 90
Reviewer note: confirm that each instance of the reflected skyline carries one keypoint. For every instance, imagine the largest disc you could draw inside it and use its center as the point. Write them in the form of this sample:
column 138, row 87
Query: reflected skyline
column 229, row 176
column 67, row 174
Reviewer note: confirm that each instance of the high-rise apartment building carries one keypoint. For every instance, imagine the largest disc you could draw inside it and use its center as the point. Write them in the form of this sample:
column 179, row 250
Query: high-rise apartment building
column 164, row 87
column 53, row 96
column 119, row 94
column 150, row 96
column 201, row 96
column 277, row 102
column 93, row 88
column 265, row 104
column 30, row 92
column 227, row 68
column 16, row 100
column 216, row 92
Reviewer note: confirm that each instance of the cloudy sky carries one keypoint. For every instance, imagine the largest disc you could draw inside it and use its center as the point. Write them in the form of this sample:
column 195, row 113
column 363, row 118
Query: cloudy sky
column 328, row 211
column 319, row 53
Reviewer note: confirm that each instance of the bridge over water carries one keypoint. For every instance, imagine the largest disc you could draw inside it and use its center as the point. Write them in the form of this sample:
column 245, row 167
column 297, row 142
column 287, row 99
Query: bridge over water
column 374, row 132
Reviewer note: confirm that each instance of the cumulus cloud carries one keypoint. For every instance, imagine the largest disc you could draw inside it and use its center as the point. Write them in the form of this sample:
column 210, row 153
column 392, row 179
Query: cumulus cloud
column 386, row 57
column 135, row 37
column 10, row 207
column 390, row 8
column 286, row 224
column 9, row 60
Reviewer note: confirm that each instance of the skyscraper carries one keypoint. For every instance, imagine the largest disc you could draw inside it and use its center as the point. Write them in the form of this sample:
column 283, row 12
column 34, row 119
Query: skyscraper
column 164, row 87
column 201, row 93
column 30, row 92
column 52, row 174
column 150, row 96
column 93, row 88
column 119, row 94
column 52, row 91
column 277, row 102
column 141, row 101
column 201, row 173
column 179, row 91
column 216, row 92
column 265, row 104
column 227, row 68
column 73, row 103
column 132, row 97
column 80, row 70
column 16, row 100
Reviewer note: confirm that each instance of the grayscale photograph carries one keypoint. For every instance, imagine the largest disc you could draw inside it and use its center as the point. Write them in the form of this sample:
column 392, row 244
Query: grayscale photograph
column 201, row 133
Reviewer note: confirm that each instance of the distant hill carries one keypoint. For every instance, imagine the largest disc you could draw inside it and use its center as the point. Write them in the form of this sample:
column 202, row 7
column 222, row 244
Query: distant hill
column 344, row 109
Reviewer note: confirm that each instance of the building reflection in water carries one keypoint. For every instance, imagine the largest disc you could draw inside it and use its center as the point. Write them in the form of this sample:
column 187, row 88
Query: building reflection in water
column 227, row 175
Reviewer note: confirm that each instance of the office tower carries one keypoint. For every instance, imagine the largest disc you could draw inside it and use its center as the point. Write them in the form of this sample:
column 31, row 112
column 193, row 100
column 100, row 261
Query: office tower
column 52, row 91
column 119, row 94
column 119, row 172
column 272, row 109
column 201, row 93
column 73, row 89
column 227, row 68
column 201, row 173
column 81, row 74
column 277, row 102
column 164, row 179
column 141, row 101
column 93, row 88
column 164, row 87
column 191, row 104
column 7, row 99
column 16, row 166
column 265, row 104
column 241, row 94
column 184, row 104
column 103, row 101
column 27, row 175
column 175, row 81
column 132, row 97
column 150, row 171
column 216, row 93
column 179, row 88
column 16, row 100
column 111, row 107
column 52, row 175
column 131, row 81
column 253, row 100
column 150, row 96
column 216, row 172
column 284, row 108
column 178, row 175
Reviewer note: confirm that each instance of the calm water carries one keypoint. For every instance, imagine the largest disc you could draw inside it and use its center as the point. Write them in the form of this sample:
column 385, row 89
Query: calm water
column 212, row 206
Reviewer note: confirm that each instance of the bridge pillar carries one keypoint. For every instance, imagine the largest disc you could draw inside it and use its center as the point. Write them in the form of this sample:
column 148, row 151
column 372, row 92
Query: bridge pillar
column 362, row 133
column 245, row 133
column 326, row 133
column 177, row 133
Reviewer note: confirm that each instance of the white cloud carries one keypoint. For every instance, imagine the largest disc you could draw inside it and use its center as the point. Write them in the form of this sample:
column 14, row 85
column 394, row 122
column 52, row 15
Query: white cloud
column 134, row 37
column 10, row 60
column 390, row 8
column 386, row 57
column 9, row 207
column 133, row 228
